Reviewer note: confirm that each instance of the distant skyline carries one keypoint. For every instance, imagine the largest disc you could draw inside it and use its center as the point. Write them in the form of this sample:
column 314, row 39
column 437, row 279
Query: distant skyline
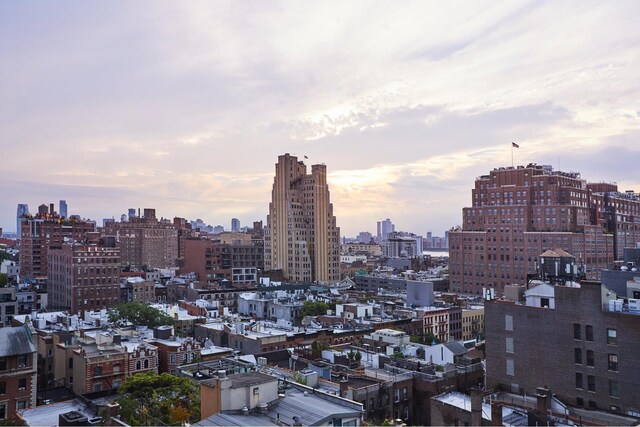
column 185, row 107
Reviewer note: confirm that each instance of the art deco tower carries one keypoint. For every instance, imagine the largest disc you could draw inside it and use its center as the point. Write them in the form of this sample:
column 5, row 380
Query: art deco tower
column 301, row 237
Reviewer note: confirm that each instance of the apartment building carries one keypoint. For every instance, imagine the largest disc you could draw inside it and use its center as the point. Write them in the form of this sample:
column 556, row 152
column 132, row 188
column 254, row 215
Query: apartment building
column 18, row 371
column 518, row 213
column 302, row 238
column 83, row 277
column 581, row 341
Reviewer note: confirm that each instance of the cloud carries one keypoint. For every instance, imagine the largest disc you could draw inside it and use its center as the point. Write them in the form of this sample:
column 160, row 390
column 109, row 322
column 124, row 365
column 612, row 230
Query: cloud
column 186, row 107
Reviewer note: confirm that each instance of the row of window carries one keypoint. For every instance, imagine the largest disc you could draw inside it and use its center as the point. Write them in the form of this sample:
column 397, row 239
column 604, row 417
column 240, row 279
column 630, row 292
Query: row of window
column 612, row 359
column 22, row 385
column 612, row 334
column 591, row 384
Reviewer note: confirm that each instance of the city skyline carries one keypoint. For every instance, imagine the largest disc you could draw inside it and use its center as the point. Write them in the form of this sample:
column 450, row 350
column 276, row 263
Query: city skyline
column 185, row 108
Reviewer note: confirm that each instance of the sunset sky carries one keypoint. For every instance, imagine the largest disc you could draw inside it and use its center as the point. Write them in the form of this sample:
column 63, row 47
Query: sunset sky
column 185, row 106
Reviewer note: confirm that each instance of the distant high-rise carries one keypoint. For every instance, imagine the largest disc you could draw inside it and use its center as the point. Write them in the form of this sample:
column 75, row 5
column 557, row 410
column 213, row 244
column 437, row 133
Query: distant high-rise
column 518, row 213
column 145, row 241
column 45, row 231
column 302, row 238
column 235, row 224
column 23, row 209
column 131, row 213
column 384, row 228
column 63, row 209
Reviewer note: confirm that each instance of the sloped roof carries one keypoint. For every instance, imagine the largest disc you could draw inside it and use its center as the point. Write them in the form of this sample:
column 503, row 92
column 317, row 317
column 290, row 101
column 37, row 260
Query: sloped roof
column 15, row 341
column 456, row 347
column 556, row 253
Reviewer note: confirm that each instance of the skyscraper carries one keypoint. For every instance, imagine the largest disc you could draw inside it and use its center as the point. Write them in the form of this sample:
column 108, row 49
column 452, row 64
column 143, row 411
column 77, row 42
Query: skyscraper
column 63, row 209
column 518, row 213
column 302, row 238
column 235, row 224
column 23, row 209
column 384, row 228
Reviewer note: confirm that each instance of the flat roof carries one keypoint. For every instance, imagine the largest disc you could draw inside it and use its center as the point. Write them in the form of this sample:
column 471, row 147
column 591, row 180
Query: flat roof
column 47, row 415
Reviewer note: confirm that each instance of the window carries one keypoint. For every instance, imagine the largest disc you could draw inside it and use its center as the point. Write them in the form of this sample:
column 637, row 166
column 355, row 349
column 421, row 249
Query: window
column 21, row 404
column 172, row 358
column 577, row 331
column 508, row 322
column 397, row 395
column 97, row 371
column 589, row 333
column 3, row 411
column 591, row 383
column 137, row 365
column 146, row 363
column 510, row 367
column 3, row 387
column 577, row 356
column 22, row 361
column 70, row 363
column 578, row 380
column 613, row 362
column 613, row 389
column 590, row 358
column 97, row 387
column 22, row 384
column 612, row 336
column 405, row 393
column 509, row 344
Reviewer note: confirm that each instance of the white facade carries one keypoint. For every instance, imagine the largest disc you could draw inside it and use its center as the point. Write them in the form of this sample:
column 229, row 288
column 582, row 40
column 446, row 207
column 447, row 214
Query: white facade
column 541, row 296
column 438, row 354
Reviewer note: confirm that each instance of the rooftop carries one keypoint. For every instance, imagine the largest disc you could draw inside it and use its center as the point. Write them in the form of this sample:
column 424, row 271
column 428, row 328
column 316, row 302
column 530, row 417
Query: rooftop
column 15, row 341
column 300, row 405
column 47, row 415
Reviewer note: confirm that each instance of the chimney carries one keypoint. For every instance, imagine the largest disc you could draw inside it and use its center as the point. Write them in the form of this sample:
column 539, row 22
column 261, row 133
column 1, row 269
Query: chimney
column 113, row 411
column 496, row 414
column 542, row 399
column 344, row 386
column 476, row 406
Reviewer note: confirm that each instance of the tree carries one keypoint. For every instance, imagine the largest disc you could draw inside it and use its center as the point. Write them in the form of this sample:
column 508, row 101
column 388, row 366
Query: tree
column 313, row 308
column 139, row 314
column 4, row 279
column 151, row 399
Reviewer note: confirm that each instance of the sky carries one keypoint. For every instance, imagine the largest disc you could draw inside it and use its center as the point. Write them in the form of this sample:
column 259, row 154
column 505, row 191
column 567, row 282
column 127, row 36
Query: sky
column 185, row 106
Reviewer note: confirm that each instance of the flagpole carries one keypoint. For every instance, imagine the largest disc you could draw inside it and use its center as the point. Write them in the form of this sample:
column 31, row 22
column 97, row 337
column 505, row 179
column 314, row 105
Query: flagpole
column 512, row 154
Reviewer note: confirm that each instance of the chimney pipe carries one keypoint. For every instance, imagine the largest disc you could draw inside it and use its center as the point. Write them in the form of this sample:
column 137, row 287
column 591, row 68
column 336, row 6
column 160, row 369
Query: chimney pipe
column 496, row 414
column 476, row 406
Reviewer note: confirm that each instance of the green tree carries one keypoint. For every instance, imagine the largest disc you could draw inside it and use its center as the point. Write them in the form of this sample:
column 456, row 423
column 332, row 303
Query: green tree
column 313, row 308
column 4, row 279
column 139, row 314
column 152, row 399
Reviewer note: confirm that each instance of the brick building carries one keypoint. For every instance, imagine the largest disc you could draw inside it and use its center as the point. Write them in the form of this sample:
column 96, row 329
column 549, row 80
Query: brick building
column 18, row 371
column 146, row 241
column 209, row 260
column 83, row 277
column 173, row 353
column 46, row 231
column 573, row 340
column 98, row 367
column 518, row 213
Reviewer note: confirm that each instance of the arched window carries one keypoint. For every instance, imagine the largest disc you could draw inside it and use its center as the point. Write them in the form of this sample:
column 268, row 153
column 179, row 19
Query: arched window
column 146, row 363
column 137, row 365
